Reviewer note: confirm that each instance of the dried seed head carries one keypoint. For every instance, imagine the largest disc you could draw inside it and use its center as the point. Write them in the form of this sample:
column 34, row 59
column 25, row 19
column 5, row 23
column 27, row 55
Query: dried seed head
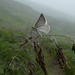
column 61, row 57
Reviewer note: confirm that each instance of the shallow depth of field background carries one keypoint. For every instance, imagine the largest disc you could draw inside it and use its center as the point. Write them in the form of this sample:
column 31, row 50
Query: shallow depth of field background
column 16, row 19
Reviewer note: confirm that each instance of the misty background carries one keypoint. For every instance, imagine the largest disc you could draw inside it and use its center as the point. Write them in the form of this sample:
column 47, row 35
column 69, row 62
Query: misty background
column 60, row 14
column 17, row 17
column 65, row 6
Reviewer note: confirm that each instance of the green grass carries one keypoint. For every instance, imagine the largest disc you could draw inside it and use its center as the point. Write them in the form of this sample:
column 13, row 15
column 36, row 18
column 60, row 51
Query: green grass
column 16, row 19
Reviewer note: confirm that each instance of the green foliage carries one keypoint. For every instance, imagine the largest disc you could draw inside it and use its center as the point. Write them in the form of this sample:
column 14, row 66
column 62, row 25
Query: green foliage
column 14, row 21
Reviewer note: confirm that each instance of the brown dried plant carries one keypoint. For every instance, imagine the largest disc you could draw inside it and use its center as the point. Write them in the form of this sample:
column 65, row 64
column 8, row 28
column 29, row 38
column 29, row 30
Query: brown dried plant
column 61, row 57
column 38, row 53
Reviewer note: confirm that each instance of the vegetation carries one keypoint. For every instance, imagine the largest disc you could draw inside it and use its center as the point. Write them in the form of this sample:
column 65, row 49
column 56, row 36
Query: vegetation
column 20, row 58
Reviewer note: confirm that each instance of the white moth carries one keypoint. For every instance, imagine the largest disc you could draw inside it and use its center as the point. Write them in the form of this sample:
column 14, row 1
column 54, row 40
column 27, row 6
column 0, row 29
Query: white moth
column 41, row 25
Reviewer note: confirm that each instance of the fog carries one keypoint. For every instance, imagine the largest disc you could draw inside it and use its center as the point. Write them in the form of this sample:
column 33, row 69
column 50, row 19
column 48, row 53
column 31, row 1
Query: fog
column 66, row 6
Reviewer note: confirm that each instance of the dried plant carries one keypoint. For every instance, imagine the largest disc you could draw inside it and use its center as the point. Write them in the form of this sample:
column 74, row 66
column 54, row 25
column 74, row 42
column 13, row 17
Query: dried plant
column 61, row 57
column 40, row 57
column 32, row 39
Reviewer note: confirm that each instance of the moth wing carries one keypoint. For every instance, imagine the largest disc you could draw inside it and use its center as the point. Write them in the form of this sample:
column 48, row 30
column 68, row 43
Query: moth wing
column 44, row 28
column 41, row 21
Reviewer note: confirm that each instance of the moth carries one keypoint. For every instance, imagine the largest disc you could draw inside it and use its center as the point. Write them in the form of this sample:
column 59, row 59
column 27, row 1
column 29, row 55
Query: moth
column 41, row 25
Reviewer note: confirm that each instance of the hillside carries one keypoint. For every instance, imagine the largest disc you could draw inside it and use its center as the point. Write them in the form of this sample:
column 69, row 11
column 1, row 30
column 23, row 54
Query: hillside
column 47, row 10
column 16, row 20
column 27, row 16
column 58, row 20
column 14, row 13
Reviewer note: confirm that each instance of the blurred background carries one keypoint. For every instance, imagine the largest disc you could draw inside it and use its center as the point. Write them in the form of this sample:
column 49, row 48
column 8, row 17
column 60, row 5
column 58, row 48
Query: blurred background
column 18, row 16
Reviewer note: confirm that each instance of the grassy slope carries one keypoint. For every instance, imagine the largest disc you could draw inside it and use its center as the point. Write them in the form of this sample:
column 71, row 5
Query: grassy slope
column 58, row 24
column 14, row 20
